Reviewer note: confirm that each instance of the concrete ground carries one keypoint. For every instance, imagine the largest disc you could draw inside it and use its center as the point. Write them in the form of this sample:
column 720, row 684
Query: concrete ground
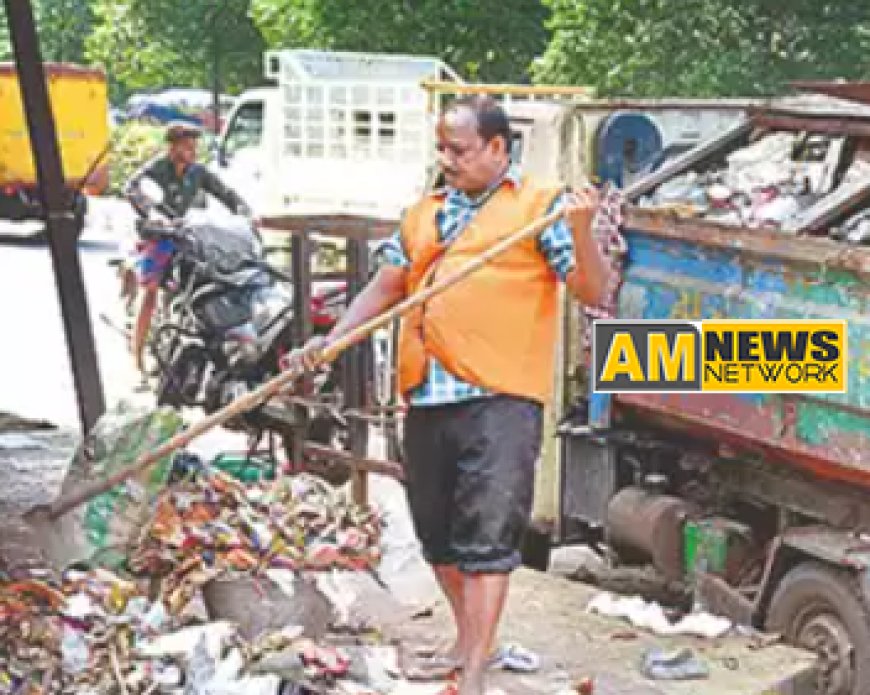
column 34, row 367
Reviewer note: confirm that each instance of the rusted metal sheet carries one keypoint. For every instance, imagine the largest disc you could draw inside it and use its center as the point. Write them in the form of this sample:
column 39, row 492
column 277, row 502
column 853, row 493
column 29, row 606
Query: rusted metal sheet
column 341, row 226
column 696, row 270
column 833, row 209
column 770, row 245
column 667, row 104
column 690, row 268
column 843, row 125
column 853, row 91
column 837, row 547
column 840, row 506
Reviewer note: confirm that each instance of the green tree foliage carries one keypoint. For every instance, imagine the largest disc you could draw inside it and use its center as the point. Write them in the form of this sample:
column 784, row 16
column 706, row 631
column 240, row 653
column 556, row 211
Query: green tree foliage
column 704, row 47
column 482, row 39
column 156, row 43
column 62, row 26
column 629, row 47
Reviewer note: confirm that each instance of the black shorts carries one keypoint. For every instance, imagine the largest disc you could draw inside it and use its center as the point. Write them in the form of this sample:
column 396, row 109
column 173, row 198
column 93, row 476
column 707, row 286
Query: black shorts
column 470, row 474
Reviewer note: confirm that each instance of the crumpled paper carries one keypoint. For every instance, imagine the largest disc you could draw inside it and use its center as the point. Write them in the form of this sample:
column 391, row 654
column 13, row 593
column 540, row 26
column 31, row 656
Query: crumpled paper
column 214, row 525
column 646, row 615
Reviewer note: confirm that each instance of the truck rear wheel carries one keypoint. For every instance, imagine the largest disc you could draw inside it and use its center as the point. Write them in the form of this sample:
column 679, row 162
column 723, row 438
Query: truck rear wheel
column 819, row 608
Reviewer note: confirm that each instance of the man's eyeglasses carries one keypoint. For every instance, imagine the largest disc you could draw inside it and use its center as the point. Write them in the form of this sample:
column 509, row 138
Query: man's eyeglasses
column 455, row 151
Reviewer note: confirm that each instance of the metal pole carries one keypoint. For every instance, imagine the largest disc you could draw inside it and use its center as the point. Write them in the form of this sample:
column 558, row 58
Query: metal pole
column 215, row 70
column 359, row 363
column 61, row 226
column 216, row 53
column 300, row 260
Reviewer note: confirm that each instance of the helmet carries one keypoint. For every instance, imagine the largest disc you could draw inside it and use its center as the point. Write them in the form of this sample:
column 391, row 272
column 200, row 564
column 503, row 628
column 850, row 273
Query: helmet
column 178, row 130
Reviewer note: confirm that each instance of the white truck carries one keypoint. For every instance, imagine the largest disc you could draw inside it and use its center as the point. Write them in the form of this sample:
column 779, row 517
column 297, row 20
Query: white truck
column 339, row 133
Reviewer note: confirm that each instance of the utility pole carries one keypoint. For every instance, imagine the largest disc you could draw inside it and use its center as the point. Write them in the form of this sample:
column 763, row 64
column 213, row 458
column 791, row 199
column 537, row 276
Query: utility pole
column 216, row 52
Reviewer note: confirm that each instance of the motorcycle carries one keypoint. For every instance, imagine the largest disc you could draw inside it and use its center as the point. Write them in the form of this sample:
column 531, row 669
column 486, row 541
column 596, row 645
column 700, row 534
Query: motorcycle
column 226, row 321
column 224, row 327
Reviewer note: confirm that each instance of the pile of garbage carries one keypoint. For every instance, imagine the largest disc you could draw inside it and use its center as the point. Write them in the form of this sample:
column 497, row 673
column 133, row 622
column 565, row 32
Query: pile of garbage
column 213, row 525
column 769, row 184
column 78, row 636
column 147, row 628
column 98, row 633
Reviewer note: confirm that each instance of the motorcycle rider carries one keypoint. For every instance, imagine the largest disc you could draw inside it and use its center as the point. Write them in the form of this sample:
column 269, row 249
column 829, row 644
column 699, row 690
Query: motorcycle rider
column 183, row 180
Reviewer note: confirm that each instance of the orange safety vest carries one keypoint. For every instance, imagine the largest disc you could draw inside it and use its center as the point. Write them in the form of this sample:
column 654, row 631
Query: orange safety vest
column 497, row 327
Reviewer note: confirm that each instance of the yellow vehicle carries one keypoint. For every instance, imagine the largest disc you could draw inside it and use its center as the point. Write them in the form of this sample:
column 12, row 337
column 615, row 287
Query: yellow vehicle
column 79, row 101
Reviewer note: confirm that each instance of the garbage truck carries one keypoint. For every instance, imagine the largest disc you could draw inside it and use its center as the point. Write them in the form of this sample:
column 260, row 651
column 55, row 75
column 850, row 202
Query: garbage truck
column 79, row 102
column 758, row 504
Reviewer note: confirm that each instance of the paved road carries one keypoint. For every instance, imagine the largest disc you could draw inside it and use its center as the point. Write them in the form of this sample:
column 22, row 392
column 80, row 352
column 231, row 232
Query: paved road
column 35, row 378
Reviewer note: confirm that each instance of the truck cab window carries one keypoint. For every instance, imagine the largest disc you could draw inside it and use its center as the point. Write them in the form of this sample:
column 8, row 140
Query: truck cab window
column 516, row 147
column 246, row 128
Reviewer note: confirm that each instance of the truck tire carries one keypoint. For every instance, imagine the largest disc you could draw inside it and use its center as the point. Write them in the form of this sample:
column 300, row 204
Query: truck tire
column 819, row 608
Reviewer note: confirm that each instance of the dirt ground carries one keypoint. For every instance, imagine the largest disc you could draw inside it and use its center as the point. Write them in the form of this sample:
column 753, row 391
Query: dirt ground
column 548, row 614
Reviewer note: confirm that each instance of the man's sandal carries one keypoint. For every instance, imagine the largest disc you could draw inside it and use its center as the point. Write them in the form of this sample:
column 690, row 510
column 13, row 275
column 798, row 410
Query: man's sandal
column 516, row 658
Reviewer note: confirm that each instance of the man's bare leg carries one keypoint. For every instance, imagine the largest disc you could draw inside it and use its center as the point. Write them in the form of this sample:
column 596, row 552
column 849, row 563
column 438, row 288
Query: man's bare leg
column 452, row 583
column 143, row 325
column 484, row 598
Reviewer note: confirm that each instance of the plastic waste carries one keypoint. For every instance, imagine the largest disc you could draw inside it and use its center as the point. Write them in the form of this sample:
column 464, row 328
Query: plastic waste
column 651, row 616
column 74, row 650
column 678, row 665
column 102, row 531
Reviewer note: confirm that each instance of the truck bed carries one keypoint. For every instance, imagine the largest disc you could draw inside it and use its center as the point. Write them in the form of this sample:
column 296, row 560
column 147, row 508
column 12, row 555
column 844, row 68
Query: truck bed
column 79, row 102
column 686, row 269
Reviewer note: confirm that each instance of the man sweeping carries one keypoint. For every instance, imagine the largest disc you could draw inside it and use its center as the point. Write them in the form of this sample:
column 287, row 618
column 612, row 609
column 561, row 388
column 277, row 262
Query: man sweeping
column 476, row 362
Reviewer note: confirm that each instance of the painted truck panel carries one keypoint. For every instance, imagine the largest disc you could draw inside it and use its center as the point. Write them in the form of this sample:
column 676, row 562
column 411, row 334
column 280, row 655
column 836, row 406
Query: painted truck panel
column 668, row 278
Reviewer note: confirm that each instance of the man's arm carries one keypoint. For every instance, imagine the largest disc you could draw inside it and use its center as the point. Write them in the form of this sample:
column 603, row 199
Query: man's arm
column 385, row 290
column 588, row 280
column 133, row 192
column 571, row 249
column 232, row 200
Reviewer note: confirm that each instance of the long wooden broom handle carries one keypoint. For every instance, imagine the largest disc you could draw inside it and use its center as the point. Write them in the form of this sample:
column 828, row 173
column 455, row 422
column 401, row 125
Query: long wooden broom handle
column 281, row 381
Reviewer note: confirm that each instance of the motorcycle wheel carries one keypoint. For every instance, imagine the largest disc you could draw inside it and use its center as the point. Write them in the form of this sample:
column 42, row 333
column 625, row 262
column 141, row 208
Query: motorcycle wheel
column 160, row 344
column 178, row 384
